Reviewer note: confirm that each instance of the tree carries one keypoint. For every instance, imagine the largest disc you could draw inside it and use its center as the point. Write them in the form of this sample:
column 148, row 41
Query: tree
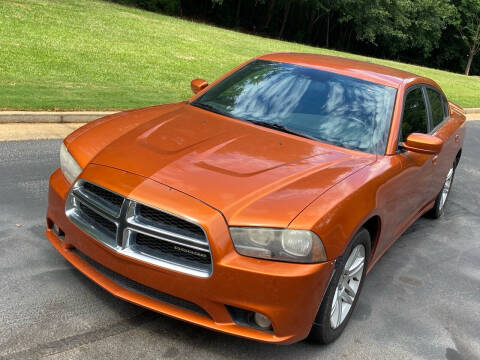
column 315, row 10
column 327, row 6
column 286, row 11
column 271, row 8
column 468, row 25
column 237, row 13
column 398, row 25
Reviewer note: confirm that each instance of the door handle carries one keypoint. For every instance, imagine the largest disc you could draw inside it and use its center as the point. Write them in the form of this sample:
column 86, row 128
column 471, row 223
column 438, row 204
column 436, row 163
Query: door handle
column 457, row 138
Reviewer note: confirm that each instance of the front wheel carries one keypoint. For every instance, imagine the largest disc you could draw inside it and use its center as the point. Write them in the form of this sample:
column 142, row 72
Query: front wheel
column 343, row 291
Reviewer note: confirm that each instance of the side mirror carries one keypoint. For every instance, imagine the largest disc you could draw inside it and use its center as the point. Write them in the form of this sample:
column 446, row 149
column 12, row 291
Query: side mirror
column 423, row 143
column 198, row 85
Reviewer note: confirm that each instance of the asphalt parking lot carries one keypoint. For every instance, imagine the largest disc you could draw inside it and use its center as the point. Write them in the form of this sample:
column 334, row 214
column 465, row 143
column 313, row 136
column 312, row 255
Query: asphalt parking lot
column 422, row 300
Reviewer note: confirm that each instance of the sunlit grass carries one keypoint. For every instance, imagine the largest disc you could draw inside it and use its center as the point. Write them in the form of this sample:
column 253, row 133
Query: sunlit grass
column 90, row 54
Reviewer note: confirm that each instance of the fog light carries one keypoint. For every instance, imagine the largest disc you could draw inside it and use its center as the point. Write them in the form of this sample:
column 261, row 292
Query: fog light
column 262, row 321
column 59, row 232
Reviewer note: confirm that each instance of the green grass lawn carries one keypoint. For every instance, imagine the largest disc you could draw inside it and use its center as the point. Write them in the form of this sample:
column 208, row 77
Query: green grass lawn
column 90, row 54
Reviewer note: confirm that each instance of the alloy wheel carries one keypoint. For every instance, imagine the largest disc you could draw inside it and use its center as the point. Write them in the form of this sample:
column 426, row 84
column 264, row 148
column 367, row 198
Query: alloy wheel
column 446, row 189
column 347, row 287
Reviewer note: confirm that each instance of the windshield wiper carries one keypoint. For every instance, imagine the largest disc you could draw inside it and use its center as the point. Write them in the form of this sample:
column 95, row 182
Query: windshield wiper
column 266, row 124
column 205, row 106
column 209, row 108
column 283, row 128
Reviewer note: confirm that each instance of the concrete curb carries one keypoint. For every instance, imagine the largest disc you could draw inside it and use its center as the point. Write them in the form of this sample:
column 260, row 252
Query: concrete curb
column 472, row 110
column 84, row 116
column 51, row 116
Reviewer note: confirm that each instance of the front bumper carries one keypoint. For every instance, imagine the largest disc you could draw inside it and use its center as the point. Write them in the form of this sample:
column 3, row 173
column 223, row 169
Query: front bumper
column 288, row 294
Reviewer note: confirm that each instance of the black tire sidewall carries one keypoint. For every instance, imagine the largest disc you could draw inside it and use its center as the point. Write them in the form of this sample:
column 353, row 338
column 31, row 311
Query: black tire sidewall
column 322, row 332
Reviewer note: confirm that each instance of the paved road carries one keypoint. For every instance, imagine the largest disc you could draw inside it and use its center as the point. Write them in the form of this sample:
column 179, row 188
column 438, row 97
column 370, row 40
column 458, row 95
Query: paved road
column 422, row 300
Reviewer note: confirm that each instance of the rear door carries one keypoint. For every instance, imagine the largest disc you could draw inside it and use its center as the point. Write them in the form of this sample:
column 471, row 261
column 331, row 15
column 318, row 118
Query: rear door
column 439, row 123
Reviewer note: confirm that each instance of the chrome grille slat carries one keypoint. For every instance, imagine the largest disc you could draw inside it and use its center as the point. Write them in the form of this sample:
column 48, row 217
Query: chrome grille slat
column 163, row 249
column 93, row 200
column 167, row 235
column 79, row 219
column 141, row 230
column 107, row 224
column 111, row 203
column 114, row 200
column 166, row 221
column 170, row 242
column 94, row 208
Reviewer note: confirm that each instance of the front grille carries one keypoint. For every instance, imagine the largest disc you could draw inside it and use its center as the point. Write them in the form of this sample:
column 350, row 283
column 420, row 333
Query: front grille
column 154, row 246
column 113, row 199
column 138, row 230
column 98, row 220
column 143, row 289
column 170, row 222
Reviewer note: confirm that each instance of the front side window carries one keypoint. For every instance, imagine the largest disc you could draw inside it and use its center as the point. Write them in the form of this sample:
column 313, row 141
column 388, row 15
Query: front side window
column 324, row 106
column 436, row 106
column 415, row 117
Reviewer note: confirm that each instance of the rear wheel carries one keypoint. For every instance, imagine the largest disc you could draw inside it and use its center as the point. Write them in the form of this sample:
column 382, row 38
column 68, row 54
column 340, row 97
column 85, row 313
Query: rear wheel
column 441, row 199
column 343, row 291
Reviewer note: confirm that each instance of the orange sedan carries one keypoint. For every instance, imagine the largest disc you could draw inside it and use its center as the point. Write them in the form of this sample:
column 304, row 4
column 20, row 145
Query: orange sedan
column 257, row 207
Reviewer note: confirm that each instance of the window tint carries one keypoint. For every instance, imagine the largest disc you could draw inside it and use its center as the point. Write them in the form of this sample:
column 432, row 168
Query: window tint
column 414, row 115
column 436, row 105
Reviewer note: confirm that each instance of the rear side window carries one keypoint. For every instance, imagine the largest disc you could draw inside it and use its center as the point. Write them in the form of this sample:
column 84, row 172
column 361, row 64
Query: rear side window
column 436, row 105
column 415, row 118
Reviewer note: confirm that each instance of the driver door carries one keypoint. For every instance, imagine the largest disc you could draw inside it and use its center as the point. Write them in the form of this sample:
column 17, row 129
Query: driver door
column 409, row 191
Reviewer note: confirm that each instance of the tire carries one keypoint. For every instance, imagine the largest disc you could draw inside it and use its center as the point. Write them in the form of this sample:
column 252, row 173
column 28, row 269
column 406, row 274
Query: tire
column 328, row 324
column 441, row 199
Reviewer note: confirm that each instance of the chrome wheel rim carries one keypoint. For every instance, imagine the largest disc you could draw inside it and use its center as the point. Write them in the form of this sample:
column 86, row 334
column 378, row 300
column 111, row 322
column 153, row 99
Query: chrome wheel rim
column 446, row 188
column 347, row 287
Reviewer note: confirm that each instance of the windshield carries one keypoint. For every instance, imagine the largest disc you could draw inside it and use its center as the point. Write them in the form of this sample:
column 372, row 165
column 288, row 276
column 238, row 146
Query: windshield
column 328, row 107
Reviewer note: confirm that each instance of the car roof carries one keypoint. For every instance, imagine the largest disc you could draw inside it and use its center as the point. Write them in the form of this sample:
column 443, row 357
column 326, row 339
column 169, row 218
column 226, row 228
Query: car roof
column 355, row 68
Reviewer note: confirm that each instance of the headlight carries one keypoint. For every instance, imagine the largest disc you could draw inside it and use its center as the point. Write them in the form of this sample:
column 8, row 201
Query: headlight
column 300, row 246
column 69, row 166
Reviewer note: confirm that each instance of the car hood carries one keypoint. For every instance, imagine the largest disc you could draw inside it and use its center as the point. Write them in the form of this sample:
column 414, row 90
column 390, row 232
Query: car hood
column 253, row 175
